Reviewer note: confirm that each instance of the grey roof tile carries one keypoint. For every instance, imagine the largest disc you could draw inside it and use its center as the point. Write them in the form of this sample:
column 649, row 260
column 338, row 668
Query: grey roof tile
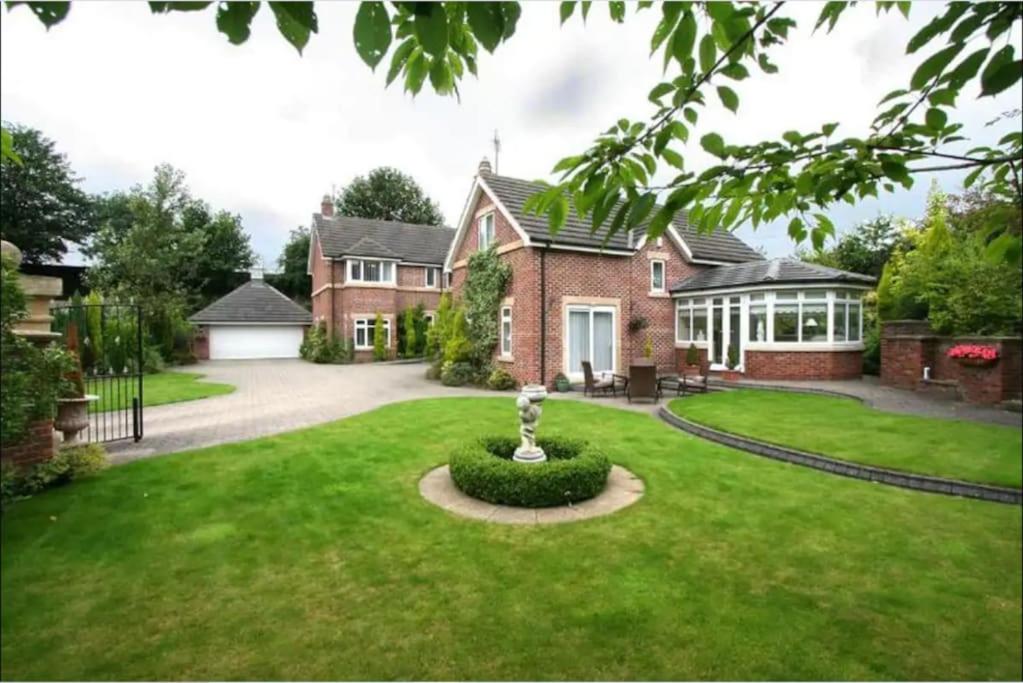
column 344, row 235
column 782, row 270
column 513, row 192
column 254, row 302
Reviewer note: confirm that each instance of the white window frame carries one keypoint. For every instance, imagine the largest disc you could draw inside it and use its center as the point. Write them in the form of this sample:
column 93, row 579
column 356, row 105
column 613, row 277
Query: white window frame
column 486, row 231
column 613, row 310
column 429, row 317
column 385, row 265
column 365, row 324
column 428, row 272
column 654, row 289
column 447, row 280
column 506, row 319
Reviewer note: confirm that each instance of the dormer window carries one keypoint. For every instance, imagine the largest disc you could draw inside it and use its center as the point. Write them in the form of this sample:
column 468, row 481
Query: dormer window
column 485, row 231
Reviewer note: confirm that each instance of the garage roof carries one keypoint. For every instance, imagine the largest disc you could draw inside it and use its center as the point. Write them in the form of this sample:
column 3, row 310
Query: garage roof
column 254, row 302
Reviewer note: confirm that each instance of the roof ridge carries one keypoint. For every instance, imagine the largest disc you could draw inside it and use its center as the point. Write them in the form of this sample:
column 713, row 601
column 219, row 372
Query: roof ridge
column 338, row 218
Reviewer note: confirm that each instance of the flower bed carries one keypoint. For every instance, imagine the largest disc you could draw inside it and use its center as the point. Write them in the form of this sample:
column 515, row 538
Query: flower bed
column 574, row 471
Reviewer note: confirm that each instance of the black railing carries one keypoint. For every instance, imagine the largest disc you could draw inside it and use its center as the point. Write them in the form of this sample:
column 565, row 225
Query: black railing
column 110, row 348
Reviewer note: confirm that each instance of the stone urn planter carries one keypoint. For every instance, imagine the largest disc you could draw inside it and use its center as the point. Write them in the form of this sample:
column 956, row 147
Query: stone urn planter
column 73, row 416
column 561, row 383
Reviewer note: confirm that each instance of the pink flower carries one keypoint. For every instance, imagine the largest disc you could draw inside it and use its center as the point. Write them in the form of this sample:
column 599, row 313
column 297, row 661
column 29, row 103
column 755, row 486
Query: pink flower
column 977, row 351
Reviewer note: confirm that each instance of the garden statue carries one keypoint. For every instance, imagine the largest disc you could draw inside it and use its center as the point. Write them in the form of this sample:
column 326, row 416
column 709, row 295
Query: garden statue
column 528, row 404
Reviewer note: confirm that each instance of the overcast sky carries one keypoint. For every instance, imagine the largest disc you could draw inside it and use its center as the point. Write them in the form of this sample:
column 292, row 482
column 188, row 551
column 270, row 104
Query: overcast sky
column 264, row 132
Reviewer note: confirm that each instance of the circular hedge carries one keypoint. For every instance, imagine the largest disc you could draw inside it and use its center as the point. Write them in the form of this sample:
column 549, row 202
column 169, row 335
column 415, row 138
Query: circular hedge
column 574, row 471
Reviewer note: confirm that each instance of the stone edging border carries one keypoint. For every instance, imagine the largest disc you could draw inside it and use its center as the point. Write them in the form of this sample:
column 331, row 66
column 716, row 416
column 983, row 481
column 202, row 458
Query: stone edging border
column 623, row 489
column 880, row 475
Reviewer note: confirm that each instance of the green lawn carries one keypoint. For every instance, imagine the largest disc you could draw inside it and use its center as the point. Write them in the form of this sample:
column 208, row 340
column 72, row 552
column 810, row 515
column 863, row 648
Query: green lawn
column 849, row 430
column 163, row 387
column 311, row 555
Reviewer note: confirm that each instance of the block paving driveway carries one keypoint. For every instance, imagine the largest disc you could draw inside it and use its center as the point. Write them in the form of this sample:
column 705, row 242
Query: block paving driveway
column 273, row 396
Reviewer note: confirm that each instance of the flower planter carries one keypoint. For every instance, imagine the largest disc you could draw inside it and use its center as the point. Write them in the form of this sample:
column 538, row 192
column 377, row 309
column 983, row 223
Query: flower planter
column 731, row 375
column 562, row 384
column 977, row 362
column 73, row 416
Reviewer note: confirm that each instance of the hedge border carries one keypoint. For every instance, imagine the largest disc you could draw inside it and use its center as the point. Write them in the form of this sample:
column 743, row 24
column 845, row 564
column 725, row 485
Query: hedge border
column 574, row 471
column 880, row 475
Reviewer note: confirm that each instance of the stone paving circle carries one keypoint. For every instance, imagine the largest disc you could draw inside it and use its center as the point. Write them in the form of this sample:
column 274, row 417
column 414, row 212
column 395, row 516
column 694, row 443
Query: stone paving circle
column 623, row 489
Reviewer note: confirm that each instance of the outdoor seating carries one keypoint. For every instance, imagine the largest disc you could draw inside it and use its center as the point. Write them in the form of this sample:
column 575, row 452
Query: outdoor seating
column 643, row 382
column 606, row 384
column 695, row 382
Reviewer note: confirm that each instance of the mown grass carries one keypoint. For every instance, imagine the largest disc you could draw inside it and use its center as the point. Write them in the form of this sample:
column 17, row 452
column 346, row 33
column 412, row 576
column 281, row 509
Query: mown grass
column 157, row 389
column 311, row 555
column 849, row 430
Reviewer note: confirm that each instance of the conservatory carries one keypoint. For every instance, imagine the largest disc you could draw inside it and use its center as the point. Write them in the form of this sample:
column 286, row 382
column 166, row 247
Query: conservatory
column 779, row 319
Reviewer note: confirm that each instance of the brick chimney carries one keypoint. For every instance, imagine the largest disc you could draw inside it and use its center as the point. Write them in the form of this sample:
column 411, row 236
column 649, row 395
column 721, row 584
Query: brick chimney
column 485, row 166
column 327, row 206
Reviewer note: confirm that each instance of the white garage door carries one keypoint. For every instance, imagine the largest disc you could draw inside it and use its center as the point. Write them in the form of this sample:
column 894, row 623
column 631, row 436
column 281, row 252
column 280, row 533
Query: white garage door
column 254, row 341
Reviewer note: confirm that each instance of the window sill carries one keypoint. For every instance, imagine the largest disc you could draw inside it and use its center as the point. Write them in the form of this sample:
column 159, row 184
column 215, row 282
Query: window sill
column 685, row 344
column 369, row 285
column 506, row 359
column 804, row 346
column 658, row 295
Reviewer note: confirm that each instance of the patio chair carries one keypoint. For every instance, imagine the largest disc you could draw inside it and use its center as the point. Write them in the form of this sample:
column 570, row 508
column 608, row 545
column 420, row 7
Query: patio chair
column 604, row 385
column 693, row 383
column 670, row 383
column 643, row 383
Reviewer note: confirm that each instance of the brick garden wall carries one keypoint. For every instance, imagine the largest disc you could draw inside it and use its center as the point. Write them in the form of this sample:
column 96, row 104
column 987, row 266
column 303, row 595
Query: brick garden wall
column 37, row 446
column 908, row 346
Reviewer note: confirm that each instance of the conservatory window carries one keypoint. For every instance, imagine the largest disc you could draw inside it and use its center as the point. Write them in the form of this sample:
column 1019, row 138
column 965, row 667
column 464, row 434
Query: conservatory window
column 691, row 325
column 757, row 318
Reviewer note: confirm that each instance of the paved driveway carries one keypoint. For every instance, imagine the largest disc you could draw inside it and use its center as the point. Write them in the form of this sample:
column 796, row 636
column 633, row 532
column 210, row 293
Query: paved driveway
column 274, row 396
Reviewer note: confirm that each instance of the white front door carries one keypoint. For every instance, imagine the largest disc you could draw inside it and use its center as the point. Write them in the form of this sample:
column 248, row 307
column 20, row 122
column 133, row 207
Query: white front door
column 590, row 337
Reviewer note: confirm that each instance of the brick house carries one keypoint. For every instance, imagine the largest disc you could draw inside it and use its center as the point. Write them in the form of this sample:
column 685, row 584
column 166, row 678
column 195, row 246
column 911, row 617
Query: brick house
column 363, row 267
column 574, row 297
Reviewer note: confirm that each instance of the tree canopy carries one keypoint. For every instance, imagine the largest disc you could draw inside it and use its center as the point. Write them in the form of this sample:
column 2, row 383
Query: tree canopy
column 390, row 195
column 864, row 249
column 43, row 206
column 292, row 277
column 708, row 49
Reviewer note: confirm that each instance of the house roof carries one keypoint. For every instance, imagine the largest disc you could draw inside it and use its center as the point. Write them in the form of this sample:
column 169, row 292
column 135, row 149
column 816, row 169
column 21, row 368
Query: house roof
column 513, row 192
column 775, row 271
column 347, row 236
column 254, row 302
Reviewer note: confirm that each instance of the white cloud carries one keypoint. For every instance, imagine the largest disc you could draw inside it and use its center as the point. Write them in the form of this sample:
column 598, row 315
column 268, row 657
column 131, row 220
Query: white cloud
column 264, row 132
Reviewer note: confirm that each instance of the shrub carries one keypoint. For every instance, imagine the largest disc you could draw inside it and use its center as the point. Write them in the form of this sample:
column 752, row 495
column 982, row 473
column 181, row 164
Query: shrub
column 69, row 464
column 692, row 355
column 318, row 347
column 380, row 349
column 411, row 341
column 152, row 360
column 457, row 349
column 732, row 360
column 500, row 380
column 648, row 347
column 457, row 374
column 574, row 471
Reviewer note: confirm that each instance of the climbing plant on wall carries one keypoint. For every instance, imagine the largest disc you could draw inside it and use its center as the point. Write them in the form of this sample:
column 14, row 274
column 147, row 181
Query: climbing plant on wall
column 485, row 285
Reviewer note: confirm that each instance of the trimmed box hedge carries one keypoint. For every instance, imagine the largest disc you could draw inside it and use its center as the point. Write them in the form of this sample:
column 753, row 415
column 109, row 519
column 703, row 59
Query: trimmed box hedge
column 574, row 471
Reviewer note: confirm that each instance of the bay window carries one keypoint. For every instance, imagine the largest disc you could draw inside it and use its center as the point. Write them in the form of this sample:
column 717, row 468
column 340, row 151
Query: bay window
column 371, row 270
column 757, row 318
column 846, row 316
column 691, row 325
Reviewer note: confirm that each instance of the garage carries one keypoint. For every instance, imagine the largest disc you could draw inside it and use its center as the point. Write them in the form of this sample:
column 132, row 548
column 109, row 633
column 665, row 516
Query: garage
column 253, row 321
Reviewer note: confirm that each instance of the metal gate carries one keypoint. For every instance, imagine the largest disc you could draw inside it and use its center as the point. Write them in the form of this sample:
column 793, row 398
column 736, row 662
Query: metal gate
column 109, row 338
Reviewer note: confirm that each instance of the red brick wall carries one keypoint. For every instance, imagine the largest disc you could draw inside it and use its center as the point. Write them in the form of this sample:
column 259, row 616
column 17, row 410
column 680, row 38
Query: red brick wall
column 504, row 233
column 680, row 358
column 907, row 347
column 796, row 365
column 36, row 447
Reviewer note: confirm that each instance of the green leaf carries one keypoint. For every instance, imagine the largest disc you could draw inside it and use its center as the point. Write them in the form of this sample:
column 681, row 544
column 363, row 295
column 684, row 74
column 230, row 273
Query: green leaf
column 684, row 40
column 673, row 158
column 796, row 230
column 1000, row 73
column 641, row 209
column 936, row 119
column 690, row 114
column 510, row 11
column 558, row 214
column 728, row 98
column 399, row 57
column 659, row 91
column 569, row 163
column 440, row 76
column 431, row 27
column 51, row 13
column 617, row 10
column 234, row 19
column 945, row 96
column 828, row 129
column 7, row 153
column 895, row 170
column 735, row 71
column 154, row 7
column 765, row 64
column 416, row 70
column 372, row 32
column 934, row 65
column 566, row 10
column 487, row 23
column 968, row 68
column 708, row 53
column 936, row 26
column 295, row 21
column 714, row 144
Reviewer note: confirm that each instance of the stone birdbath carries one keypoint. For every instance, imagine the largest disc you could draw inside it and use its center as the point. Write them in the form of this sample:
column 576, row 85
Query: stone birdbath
column 528, row 403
